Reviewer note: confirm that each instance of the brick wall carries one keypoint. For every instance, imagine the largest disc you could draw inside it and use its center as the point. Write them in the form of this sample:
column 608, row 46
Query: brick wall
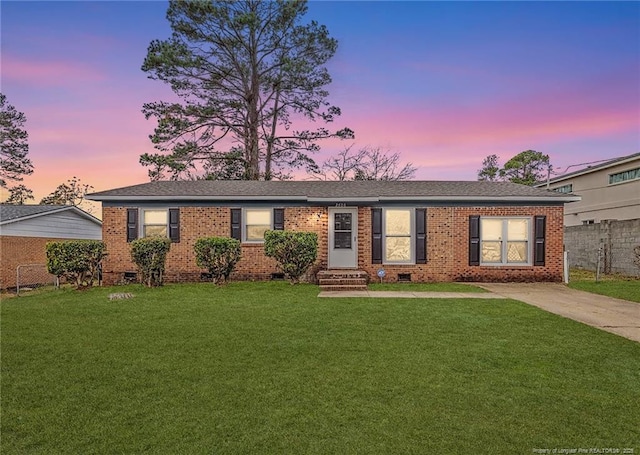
column 447, row 245
column 551, row 271
column 197, row 222
column 16, row 251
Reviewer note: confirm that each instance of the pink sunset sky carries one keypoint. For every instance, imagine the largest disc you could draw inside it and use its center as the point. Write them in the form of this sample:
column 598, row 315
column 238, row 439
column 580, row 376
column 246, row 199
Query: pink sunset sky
column 444, row 84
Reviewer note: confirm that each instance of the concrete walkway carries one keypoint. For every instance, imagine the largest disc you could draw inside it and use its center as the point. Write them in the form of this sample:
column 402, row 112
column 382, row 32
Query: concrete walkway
column 606, row 313
column 412, row 295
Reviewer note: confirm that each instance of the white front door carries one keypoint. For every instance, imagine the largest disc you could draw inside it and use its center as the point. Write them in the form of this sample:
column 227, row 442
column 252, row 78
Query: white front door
column 343, row 238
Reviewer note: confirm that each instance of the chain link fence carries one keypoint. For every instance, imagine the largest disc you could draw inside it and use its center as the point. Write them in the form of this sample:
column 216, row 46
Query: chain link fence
column 31, row 276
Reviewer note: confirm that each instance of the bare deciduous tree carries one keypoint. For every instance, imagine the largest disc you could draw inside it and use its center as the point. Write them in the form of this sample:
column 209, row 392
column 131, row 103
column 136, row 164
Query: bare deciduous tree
column 70, row 193
column 368, row 163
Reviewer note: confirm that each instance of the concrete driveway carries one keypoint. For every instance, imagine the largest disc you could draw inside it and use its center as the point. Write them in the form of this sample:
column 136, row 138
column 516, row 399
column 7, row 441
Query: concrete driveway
column 613, row 315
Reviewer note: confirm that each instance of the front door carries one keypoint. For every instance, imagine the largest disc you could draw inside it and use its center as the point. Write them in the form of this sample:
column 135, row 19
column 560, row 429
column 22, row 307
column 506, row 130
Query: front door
column 343, row 238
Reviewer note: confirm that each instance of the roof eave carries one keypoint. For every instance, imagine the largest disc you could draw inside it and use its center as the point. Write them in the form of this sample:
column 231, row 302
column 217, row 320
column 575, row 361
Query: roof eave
column 194, row 198
column 488, row 198
column 80, row 212
column 367, row 199
column 589, row 170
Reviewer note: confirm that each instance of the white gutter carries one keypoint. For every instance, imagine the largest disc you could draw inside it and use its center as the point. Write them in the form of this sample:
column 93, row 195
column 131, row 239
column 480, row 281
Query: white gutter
column 367, row 199
column 196, row 198
column 486, row 198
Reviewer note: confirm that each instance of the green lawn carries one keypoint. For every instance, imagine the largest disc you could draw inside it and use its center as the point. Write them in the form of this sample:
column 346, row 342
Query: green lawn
column 424, row 287
column 621, row 287
column 260, row 368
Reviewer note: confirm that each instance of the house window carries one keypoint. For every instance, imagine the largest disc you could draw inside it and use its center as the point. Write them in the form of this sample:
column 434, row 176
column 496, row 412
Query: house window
column 505, row 240
column 257, row 222
column 619, row 177
column 564, row 188
column 342, row 230
column 249, row 225
column 398, row 236
column 154, row 223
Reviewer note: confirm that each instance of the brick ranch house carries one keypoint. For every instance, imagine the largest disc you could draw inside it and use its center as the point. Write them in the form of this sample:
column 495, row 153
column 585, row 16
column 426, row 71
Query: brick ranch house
column 25, row 231
column 415, row 230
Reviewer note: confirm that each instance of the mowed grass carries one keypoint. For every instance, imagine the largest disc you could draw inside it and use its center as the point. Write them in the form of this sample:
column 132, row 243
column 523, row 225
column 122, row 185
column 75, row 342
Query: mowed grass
column 267, row 368
column 424, row 287
column 620, row 287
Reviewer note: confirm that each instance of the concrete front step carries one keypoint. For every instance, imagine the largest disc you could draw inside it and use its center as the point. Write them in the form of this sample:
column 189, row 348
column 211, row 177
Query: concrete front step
column 343, row 273
column 342, row 287
column 349, row 281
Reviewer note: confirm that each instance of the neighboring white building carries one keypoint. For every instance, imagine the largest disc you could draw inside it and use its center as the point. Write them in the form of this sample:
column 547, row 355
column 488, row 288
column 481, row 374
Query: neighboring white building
column 609, row 191
column 26, row 229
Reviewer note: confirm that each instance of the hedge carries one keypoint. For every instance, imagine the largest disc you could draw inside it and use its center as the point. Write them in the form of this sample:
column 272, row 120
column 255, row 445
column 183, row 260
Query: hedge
column 219, row 255
column 295, row 252
column 76, row 260
column 150, row 255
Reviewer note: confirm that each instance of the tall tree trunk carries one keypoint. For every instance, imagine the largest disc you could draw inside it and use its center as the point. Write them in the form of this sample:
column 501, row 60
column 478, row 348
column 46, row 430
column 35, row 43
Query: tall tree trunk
column 253, row 150
column 274, row 122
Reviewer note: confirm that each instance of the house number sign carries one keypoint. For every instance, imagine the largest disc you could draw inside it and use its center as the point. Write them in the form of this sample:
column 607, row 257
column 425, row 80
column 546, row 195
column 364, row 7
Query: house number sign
column 341, row 204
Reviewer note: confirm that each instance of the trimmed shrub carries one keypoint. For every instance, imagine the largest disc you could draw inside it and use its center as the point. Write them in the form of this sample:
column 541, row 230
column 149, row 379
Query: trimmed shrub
column 219, row 255
column 150, row 255
column 294, row 251
column 76, row 260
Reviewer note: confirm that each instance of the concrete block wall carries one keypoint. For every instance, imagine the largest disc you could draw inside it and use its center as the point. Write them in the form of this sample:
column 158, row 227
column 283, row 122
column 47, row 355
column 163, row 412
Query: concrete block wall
column 616, row 239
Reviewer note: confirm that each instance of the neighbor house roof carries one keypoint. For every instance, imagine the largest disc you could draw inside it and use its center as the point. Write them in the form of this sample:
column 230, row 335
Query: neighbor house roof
column 10, row 213
column 589, row 169
column 330, row 191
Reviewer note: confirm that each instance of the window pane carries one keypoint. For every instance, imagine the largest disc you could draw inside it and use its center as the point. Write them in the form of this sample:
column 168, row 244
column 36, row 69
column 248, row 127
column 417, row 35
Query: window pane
column 518, row 229
column 625, row 175
column 152, row 231
column 491, row 229
column 398, row 222
column 342, row 240
column 262, row 217
column 256, row 232
column 155, row 217
column 342, row 221
column 398, row 249
column 491, row 251
column 517, row 251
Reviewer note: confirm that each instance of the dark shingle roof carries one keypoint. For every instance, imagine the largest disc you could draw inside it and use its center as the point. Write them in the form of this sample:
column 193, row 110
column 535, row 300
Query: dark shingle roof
column 329, row 190
column 12, row 213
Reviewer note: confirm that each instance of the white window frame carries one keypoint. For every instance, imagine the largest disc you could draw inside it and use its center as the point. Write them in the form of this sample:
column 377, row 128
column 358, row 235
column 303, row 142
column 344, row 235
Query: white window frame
column 505, row 241
column 622, row 173
column 565, row 189
column 244, row 222
column 142, row 223
column 412, row 235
